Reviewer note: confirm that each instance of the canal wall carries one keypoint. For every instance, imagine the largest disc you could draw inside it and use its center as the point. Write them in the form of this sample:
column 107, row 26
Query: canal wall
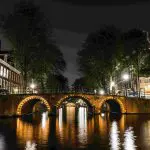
column 137, row 105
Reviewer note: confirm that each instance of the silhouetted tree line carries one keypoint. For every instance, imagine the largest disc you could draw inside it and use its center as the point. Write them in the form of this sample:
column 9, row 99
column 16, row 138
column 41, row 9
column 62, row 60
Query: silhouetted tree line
column 107, row 52
column 35, row 52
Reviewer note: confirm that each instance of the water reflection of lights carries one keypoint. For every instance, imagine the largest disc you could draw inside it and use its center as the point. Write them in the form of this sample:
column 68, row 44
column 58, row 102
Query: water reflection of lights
column 62, row 129
column 129, row 139
column 2, row 143
column 114, row 137
column 70, row 112
column 44, row 118
column 146, row 134
column 60, row 117
column 82, row 117
column 30, row 146
column 26, row 131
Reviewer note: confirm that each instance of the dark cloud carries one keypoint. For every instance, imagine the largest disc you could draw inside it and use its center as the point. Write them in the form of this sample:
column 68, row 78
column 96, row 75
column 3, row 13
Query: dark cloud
column 102, row 2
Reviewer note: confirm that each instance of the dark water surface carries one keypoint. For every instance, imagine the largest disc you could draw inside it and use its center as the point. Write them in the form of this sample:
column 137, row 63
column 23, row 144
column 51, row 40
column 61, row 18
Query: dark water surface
column 73, row 129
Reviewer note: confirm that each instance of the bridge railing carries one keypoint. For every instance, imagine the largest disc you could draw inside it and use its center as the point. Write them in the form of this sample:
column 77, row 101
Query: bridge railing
column 77, row 91
column 53, row 91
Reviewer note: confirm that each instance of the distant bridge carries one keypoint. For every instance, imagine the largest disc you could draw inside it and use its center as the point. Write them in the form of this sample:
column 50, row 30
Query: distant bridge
column 19, row 104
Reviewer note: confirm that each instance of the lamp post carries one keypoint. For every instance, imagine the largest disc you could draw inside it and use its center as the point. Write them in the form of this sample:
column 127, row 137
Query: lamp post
column 32, row 86
column 125, row 78
column 101, row 92
column 112, row 86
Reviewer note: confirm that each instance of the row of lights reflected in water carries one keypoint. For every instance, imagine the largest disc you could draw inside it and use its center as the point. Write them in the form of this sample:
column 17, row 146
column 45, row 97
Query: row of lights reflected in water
column 76, row 136
column 82, row 133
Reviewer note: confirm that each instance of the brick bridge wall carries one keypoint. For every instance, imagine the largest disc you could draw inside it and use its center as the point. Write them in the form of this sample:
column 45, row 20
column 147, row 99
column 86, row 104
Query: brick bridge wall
column 11, row 104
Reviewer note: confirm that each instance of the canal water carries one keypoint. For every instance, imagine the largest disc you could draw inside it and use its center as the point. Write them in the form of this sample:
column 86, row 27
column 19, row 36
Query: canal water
column 74, row 129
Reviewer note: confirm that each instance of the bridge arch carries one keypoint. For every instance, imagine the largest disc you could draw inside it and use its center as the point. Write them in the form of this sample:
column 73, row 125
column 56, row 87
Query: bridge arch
column 30, row 98
column 84, row 98
column 117, row 100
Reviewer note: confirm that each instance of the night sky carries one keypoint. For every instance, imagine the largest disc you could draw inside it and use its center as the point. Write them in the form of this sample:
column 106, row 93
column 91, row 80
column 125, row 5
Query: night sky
column 72, row 20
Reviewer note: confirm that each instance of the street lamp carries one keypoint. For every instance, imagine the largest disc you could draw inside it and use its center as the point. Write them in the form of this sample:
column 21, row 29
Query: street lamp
column 95, row 91
column 101, row 92
column 112, row 85
column 125, row 78
column 32, row 86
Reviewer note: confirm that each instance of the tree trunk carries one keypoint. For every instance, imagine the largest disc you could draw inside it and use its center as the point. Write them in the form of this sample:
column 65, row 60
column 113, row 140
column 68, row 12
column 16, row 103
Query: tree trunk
column 110, row 85
column 25, row 82
column 25, row 75
column 138, row 75
column 42, row 85
column 138, row 84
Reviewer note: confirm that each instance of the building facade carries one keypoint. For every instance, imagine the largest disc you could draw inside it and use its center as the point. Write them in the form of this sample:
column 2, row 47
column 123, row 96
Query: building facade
column 145, row 84
column 10, row 78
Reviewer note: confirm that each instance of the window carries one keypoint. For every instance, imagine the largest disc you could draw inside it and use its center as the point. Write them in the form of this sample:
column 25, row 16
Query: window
column 4, row 74
column 8, row 85
column 17, row 78
column 4, row 84
column 146, row 80
column 0, row 82
column 1, row 71
column 12, row 76
column 7, row 73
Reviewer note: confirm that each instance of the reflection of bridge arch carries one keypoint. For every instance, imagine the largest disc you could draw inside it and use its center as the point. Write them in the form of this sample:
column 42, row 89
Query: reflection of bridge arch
column 84, row 98
column 30, row 98
column 116, row 99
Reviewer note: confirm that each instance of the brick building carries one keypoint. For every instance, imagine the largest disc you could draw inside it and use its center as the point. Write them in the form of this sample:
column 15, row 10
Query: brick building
column 10, row 78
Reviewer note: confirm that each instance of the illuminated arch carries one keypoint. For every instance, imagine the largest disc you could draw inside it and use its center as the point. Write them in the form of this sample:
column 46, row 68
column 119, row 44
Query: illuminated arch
column 27, row 99
column 72, row 96
column 116, row 99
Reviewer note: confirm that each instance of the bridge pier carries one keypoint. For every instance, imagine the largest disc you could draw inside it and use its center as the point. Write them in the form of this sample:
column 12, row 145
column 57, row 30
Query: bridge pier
column 53, row 111
column 96, row 111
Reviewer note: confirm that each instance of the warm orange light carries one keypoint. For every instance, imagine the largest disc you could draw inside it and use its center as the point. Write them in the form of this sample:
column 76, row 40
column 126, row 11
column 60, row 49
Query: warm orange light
column 29, row 99
column 72, row 95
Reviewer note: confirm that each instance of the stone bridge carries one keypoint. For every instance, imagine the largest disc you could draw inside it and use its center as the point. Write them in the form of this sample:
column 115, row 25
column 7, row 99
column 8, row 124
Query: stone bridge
column 22, row 104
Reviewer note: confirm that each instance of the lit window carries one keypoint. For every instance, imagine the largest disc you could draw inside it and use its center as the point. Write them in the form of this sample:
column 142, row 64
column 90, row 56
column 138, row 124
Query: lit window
column 1, row 71
column 4, row 72
column 146, row 80
column 4, row 84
